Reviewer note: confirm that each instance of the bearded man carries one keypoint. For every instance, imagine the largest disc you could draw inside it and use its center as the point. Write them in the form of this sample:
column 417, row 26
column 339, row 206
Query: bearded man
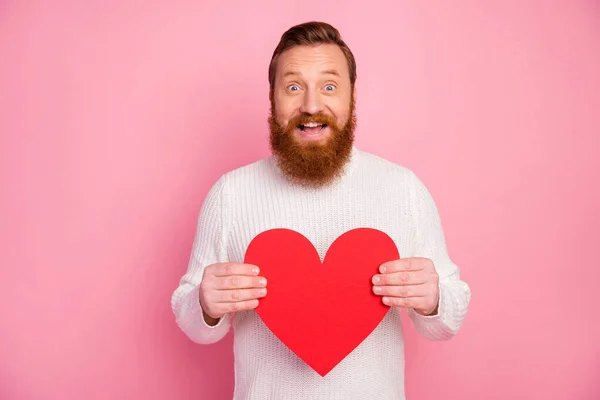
column 319, row 184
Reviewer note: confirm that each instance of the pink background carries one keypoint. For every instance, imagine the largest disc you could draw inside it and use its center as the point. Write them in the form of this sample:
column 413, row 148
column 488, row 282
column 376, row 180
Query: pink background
column 116, row 118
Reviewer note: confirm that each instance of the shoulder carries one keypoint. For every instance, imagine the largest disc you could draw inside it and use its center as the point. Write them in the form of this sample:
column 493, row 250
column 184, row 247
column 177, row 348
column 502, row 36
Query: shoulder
column 258, row 167
column 400, row 180
column 248, row 174
column 378, row 165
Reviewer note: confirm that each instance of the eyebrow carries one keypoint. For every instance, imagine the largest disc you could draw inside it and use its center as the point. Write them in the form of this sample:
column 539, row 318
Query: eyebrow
column 325, row 72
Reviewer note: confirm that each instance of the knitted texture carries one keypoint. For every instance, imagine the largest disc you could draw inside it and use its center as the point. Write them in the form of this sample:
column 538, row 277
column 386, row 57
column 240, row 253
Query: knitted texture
column 373, row 193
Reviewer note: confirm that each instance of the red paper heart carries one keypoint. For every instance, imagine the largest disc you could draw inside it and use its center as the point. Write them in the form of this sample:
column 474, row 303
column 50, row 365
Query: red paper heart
column 321, row 311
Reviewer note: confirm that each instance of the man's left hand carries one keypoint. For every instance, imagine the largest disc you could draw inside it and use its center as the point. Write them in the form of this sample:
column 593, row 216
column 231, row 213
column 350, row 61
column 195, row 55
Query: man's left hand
column 409, row 283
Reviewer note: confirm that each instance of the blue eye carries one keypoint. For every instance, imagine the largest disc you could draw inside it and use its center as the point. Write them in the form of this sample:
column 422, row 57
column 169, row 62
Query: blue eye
column 294, row 88
column 329, row 88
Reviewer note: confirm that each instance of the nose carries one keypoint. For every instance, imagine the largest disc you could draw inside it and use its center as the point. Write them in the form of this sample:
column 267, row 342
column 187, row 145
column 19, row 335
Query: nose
column 312, row 102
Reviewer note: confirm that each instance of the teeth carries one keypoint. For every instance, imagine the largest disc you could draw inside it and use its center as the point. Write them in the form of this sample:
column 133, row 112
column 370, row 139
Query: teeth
column 311, row 125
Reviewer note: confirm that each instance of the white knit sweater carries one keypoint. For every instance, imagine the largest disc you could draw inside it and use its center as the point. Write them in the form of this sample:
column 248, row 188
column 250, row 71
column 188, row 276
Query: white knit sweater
column 372, row 193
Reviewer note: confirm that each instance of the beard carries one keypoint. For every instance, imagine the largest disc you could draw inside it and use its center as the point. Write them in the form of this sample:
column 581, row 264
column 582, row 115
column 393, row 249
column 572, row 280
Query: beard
column 312, row 164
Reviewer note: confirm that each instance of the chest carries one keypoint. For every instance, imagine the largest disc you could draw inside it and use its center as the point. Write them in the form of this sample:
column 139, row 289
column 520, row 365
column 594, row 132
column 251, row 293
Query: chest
column 321, row 218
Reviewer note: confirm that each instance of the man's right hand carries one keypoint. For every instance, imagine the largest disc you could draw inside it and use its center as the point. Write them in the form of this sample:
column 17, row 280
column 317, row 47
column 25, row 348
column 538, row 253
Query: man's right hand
column 228, row 288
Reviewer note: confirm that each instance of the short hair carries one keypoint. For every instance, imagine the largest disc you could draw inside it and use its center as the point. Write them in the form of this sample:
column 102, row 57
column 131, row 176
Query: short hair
column 311, row 34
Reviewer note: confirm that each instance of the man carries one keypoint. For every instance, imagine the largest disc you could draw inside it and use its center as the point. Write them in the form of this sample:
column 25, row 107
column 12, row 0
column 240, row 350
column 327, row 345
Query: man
column 317, row 183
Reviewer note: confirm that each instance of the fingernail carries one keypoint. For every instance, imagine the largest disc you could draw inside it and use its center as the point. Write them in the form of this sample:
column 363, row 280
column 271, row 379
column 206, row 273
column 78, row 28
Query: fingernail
column 255, row 270
column 263, row 292
column 262, row 282
column 376, row 279
column 386, row 301
column 377, row 289
column 382, row 269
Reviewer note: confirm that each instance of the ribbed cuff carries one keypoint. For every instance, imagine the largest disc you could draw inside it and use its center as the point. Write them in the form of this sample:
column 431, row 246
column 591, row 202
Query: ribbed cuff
column 444, row 324
column 192, row 304
column 193, row 324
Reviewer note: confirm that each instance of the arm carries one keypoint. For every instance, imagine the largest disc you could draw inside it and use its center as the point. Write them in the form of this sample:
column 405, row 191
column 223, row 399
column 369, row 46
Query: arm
column 208, row 248
column 454, row 294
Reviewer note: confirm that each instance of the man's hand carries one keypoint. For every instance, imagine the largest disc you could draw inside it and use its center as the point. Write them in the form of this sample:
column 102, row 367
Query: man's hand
column 228, row 288
column 409, row 283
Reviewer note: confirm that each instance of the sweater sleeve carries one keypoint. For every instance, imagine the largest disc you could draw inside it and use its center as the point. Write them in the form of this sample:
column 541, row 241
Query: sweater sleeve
column 455, row 295
column 208, row 247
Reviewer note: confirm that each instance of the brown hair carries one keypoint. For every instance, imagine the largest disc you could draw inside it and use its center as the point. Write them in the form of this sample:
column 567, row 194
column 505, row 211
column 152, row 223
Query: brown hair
column 311, row 34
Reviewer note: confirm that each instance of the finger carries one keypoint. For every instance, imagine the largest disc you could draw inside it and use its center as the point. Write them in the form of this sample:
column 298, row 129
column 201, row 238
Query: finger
column 237, row 295
column 401, row 278
column 233, row 307
column 239, row 282
column 227, row 269
column 402, row 291
column 405, row 264
column 404, row 302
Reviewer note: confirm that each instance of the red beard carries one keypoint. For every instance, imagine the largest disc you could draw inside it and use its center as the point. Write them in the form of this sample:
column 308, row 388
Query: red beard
column 312, row 164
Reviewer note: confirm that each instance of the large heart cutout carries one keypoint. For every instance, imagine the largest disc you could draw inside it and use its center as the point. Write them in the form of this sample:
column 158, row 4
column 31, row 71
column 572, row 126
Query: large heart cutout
column 321, row 311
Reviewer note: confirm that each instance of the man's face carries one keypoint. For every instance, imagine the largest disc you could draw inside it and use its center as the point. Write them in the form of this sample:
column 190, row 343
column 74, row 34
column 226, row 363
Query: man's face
column 312, row 113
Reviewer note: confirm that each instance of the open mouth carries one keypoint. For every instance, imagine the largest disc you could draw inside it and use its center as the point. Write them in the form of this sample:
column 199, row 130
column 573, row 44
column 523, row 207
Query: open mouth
column 312, row 130
column 312, row 127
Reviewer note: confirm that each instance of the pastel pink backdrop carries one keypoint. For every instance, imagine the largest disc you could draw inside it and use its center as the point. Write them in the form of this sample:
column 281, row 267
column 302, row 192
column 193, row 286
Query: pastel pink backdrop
column 118, row 117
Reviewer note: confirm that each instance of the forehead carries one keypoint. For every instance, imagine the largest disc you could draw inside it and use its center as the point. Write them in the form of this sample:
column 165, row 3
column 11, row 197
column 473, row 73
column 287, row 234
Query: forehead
column 307, row 60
